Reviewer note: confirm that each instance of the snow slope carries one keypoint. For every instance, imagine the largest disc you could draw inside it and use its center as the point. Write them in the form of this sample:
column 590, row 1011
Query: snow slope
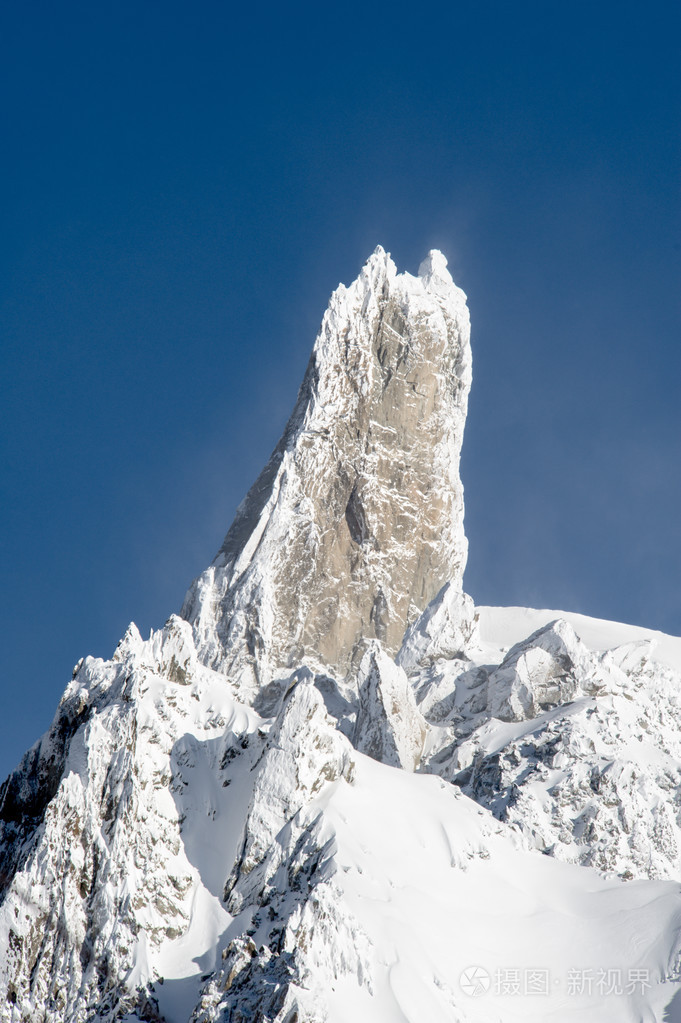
column 438, row 889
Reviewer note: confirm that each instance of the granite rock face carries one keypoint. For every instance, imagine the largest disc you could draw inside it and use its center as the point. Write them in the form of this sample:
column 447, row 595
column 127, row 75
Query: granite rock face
column 357, row 519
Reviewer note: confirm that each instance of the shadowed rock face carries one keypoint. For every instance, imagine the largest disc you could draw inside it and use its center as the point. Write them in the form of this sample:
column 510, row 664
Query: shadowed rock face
column 357, row 519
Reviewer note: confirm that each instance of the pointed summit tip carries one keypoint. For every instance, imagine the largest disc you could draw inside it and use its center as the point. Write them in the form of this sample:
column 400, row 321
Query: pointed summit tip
column 379, row 257
column 435, row 265
column 378, row 268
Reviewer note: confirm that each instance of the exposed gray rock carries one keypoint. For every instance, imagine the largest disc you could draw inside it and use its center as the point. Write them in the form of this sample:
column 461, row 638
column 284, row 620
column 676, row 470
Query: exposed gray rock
column 356, row 522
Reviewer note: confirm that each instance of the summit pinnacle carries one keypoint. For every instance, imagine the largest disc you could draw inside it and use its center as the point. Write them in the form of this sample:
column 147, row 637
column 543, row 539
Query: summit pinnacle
column 356, row 521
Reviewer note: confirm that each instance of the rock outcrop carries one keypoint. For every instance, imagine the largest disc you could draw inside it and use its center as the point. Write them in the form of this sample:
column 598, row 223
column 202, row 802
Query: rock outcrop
column 389, row 727
column 576, row 748
column 357, row 519
column 103, row 874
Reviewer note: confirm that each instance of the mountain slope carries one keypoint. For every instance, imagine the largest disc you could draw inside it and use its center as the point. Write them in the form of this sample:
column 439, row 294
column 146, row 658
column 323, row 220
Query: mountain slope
column 331, row 789
column 577, row 746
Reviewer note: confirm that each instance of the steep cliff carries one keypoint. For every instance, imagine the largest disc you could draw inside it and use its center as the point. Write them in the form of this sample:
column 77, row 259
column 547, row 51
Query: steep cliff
column 357, row 519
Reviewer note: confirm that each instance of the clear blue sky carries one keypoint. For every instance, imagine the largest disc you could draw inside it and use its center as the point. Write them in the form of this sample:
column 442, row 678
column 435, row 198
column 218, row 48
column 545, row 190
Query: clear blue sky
column 182, row 185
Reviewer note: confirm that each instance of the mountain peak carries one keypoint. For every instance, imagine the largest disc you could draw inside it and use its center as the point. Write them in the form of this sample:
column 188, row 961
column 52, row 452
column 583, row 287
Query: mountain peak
column 356, row 521
column 168, row 853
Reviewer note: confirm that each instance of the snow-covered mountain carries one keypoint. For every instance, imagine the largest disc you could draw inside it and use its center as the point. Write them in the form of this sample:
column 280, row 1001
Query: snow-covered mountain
column 333, row 790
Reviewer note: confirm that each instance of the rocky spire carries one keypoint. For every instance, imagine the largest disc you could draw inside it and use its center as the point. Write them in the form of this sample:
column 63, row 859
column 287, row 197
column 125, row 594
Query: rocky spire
column 356, row 521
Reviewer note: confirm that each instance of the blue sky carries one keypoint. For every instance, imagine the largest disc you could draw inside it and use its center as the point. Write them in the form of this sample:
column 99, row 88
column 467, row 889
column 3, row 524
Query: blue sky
column 182, row 186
